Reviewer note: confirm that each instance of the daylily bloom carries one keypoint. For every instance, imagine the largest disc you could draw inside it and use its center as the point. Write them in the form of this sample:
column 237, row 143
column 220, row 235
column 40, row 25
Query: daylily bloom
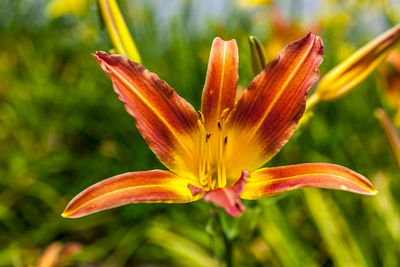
column 216, row 153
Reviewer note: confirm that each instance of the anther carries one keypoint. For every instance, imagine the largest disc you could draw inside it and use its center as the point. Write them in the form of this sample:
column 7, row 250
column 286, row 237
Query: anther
column 208, row 137
column 225, row 113
column 219, row 125
column 225, row 140
column 201, row 116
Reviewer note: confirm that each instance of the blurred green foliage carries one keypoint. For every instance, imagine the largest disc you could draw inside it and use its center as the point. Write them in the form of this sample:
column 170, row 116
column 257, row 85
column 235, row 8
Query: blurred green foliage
column 62, row 128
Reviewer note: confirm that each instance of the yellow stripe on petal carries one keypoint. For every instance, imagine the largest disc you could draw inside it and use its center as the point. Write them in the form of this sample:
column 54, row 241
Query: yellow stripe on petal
column 133, row 187
column 117, row 30
column 221, row 81
column 166, row 121
column 355, row 69
column 269, row 109
column 271, row 181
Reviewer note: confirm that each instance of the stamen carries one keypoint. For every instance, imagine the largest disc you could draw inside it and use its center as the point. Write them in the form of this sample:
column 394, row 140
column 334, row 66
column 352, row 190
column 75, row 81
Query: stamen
column 225, row 113
column 201, row 116
column 212, row 169
column 208, row 160
column 202, row 153
column 221, row 156
column 208, row 137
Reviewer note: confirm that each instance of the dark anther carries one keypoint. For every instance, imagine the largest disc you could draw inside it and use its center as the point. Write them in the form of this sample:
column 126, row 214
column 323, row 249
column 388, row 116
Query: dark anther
column 225, row 140
column 201, row 117
column 219, row 125
column 208, row 137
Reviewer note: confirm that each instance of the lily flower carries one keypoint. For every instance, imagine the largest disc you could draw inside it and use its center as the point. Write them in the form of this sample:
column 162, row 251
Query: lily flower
column 216, row 153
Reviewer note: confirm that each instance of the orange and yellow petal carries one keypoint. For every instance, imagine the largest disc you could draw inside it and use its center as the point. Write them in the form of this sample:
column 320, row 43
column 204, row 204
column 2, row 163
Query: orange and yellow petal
column 271, row 181
column 132, row 187
column 267, row 113
column 221, row 81
column 166, row 121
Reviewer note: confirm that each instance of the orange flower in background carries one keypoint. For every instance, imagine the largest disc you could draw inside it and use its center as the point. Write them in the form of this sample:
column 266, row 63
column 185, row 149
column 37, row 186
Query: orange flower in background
column 390, row 78
column 216, row 153
column 57, row 253
column 283, row 31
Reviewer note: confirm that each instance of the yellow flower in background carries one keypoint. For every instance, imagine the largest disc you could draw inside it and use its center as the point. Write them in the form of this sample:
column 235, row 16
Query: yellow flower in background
column 216, row 153
column 58, row 8
column 251, row 3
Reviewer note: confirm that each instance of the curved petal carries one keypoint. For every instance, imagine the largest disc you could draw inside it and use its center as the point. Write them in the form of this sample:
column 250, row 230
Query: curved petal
column 271, row 181
column 268, row 111
column 132, row 187
column 166, row 121
column 221, row 81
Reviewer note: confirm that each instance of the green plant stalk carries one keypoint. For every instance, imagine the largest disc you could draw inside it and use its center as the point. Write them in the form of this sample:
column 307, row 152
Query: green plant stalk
column 229, row 233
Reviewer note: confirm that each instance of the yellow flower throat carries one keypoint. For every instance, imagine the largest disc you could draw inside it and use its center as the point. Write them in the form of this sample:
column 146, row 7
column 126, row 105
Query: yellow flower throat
column 212, row 166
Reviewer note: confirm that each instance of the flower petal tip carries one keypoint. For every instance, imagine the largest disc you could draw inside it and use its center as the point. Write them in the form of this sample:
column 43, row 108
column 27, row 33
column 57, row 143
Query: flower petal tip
column 372, row 192
column 70, row 214
column 220, row 40
column 113, row 59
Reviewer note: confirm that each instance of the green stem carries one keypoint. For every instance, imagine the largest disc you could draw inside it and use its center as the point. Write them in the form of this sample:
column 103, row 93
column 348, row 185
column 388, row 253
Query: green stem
column 228, row 251
column 228, row 242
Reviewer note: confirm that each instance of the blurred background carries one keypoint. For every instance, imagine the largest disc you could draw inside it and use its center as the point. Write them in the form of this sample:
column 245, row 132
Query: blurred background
column 62, row 129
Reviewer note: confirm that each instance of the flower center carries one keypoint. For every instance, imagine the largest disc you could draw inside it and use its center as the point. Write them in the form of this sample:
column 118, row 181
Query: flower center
column 212, row 166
